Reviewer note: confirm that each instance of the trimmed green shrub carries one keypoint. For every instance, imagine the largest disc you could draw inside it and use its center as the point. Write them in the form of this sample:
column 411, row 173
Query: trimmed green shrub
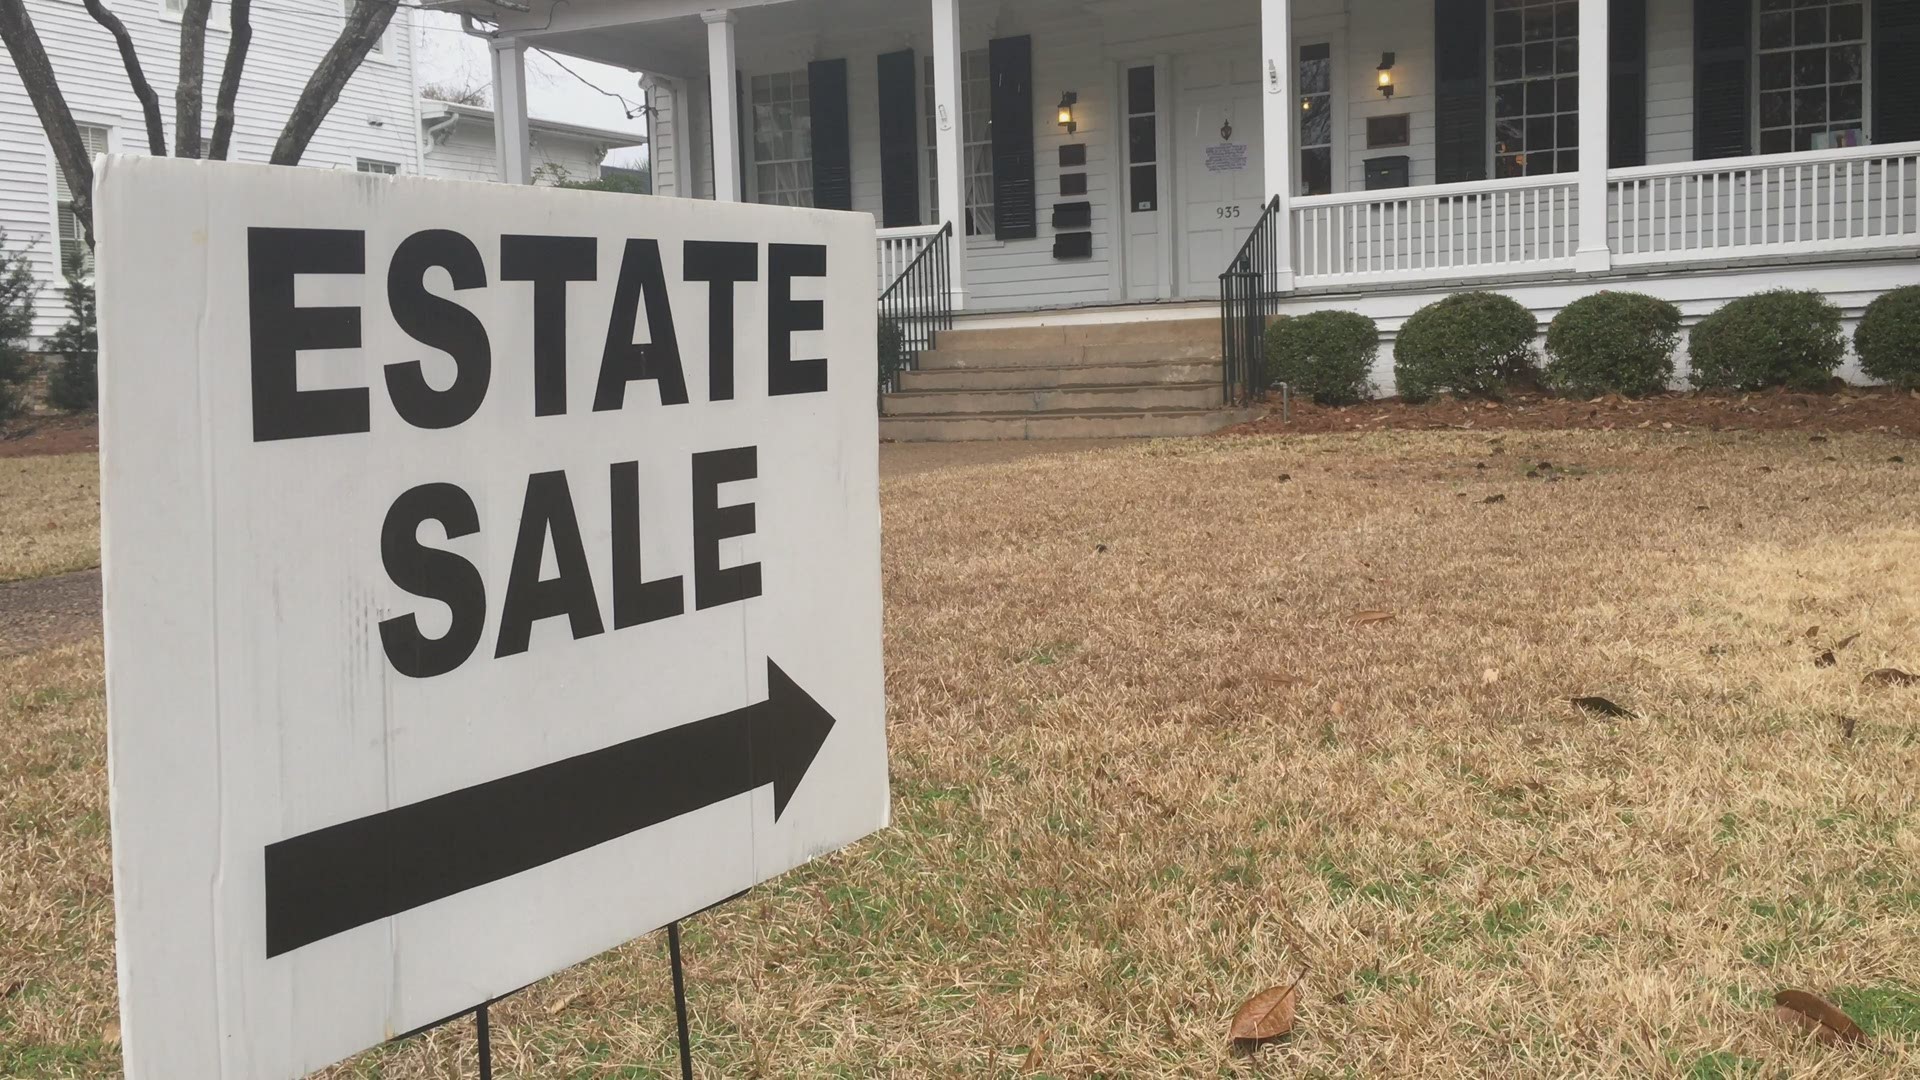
column 1471, row 343
column 17, row 290
column 1326, row 355
column 1778, row 338
column 1888, row 338
column 74, row 384
column 1613, row 343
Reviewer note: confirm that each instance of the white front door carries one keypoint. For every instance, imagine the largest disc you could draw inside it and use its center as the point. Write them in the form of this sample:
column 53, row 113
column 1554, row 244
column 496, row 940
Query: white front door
column 1145, row 203
column 1222, row 190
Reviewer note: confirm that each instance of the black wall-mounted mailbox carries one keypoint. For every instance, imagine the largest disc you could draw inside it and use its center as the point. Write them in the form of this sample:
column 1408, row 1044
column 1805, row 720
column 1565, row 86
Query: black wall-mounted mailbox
column 1073, row 155
column 1077, row 245
column 1073, row 215
column 1387, row 172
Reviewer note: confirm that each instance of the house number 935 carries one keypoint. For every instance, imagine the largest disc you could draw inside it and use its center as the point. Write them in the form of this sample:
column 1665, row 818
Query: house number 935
column 1226, row 212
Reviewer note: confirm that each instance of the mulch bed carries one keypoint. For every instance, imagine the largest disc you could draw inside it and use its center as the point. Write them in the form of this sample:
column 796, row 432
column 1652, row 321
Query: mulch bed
column 1875, row 409
column 30, row 436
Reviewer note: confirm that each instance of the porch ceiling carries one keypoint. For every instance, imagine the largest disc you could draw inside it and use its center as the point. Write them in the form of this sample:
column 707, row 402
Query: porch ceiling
column 670, row 39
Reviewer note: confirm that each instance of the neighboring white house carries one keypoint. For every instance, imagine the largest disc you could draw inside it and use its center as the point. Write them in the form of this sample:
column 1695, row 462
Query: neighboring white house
column 459, row 145
column 374, row 126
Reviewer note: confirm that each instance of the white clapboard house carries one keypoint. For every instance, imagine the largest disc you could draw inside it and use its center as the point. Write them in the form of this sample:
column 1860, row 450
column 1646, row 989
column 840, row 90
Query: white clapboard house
column 1103, row 169
column 459, row 145
column 373, row 127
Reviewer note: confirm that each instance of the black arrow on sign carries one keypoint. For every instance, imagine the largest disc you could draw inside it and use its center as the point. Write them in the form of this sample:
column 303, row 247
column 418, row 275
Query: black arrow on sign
column 334, row 879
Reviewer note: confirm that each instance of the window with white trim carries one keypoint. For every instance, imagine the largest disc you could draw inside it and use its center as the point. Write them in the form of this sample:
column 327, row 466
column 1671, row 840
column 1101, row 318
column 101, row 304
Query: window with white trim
column 72, row 238
column 976, row 142
column 1811, row 57
column 1315, row 78
column 782, row 139
column 380, row 47
column 369, row 165
column 172, row 7
column 1536, row 87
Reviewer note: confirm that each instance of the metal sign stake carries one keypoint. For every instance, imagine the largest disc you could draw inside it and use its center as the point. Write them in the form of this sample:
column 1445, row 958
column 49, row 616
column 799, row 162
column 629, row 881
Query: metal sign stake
column 482, row 1029
column 680, row 1000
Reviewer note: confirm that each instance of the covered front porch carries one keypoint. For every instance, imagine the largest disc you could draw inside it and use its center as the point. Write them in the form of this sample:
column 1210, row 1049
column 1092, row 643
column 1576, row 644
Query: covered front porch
column 1112, row 151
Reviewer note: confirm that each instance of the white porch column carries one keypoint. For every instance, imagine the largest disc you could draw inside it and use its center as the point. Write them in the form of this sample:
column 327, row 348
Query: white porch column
column 723, row 96
column 510, row 140
column 1278, row 116
column 950, row 120
column 1593, row 253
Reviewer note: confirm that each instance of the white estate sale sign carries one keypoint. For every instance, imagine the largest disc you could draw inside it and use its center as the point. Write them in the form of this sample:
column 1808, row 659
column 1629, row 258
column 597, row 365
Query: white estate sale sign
column 492, row 576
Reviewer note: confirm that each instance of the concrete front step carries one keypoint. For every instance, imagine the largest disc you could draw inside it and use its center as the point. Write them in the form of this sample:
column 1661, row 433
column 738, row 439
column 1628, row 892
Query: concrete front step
column 1138, row 352
column 1164, row 423
column 1162, row 331
column 1202, row 395
column 1041, row 378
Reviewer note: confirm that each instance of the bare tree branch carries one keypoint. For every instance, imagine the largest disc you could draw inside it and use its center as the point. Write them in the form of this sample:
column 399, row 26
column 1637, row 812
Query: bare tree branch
column 366, row 21
column 36, row 74
column 136, row 76
column 230, row 78
column 188, row 95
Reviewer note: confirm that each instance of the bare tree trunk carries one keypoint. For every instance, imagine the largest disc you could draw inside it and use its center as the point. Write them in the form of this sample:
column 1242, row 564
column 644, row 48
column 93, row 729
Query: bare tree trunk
column 193, row 65
column 367, row 21
column 30, row 59
column 230, row 78
column 136, row 76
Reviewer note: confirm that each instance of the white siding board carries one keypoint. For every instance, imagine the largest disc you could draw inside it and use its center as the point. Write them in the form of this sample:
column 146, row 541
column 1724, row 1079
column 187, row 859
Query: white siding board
column 467, row 153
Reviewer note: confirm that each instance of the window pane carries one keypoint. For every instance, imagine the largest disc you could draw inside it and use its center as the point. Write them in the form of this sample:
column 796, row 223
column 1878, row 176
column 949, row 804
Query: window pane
column 1145, row 192
column 1843, row 64
column 1845, row 23
column 1845, row 104
column 1776, row 109
column 1776, row 71
column 1316, row 123
column 1776, row 30
column 1141, row 139
column 1316, row 170
column 1540, row 96
column 1140, row 90
column 1506, row 28
column 1540, row 59
column 1810, row 106
column 1509, row 99
column 1508, row 63
column 1316, row 76
column 1810, row 26
column 1539, row 133
column 1570, row 94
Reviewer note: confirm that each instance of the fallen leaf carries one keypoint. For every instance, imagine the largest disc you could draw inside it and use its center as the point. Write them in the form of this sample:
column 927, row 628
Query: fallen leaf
column 1893, row 677
column 1816, row 1016
column 1036, row 1054
column 1489, row 677
column 1268, row 1014
column 1491, row 499
column 1363, row 618
column 1816, row 438
column 1283, row 477
column 110, row 1033
column 1600, row 705
column 1813, row 631
column 1825, row 659
column 1847, row 724
column 560, row 1005
column 1273, row 678
column 1897, row 460
column 1845, row 641
column 1338, row 708
column 1099, row 549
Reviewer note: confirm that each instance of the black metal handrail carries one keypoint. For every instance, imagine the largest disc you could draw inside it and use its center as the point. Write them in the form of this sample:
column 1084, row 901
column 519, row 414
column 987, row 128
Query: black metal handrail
column 1249, row 299
column 918, row 303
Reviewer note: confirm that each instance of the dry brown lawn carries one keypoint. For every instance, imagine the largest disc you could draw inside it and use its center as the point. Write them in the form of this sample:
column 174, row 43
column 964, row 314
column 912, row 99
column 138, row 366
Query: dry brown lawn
column 49, row 516
column 1146, row 763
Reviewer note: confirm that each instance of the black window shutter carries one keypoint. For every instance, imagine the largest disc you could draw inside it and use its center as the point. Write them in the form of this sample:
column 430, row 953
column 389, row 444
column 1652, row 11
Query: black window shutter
column 1010, row 62
column 1896, row 75
column 1460, row 90
column 1722, row 81
column 899, row 140
column 832, row 135
column 1627, row 83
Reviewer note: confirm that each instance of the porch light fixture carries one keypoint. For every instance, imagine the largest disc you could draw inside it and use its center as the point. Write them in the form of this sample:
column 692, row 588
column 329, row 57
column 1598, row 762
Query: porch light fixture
column 1386, row 75
column 1067, row 101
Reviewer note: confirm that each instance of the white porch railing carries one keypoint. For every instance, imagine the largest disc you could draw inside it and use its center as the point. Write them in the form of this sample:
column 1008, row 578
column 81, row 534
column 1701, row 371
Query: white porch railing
column 1780, row 204
column 898, row 248
column 1457, row 230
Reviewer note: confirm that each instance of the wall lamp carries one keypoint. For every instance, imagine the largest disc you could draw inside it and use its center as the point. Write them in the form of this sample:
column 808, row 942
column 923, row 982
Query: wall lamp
column 1386, row 75
column 1067, row 101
